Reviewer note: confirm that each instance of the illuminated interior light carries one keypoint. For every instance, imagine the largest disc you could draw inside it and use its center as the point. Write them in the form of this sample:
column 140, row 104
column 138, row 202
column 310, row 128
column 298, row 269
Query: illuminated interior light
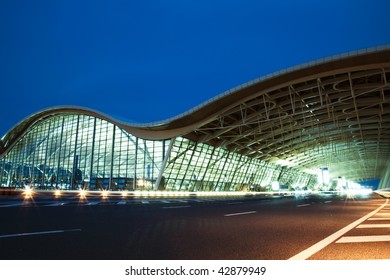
column 124, row 193
column 275, row 186
column 343, row 181
column 284, row 162
column 57, row 193
column 326, row 176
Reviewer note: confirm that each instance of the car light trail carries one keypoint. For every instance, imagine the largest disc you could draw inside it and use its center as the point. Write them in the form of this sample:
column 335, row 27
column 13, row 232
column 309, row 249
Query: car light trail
column 124, row 194
column 28, row 192
column 105, row 194
column 83, row 193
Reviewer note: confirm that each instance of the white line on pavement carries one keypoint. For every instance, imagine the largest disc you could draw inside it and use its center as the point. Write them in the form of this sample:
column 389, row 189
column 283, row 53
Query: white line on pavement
column 303, row 205
column 173, row 207
column 372, row 238
column 383, row 214
column 373, row 226
column 13, row 204
column 325, row 242
column 93, row 203
column 55, row 204
column 38, row 233
column 241, row 213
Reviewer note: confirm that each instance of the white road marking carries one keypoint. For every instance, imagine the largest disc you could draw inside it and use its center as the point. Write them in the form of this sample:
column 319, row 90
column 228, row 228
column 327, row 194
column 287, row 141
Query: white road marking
column 241, row 213
column 145, row 201
column 122, row 202
column 371, row 238
column 303, row 205
column 13, row 204
column 329, row 201
column 55, row 204
column 374, row 226
column 38, row 233
column 232, row 203
column 383, row 214
column 305, row 254
column 93, row 203
column 197, row 200
column 165, row 201
column 173, row 207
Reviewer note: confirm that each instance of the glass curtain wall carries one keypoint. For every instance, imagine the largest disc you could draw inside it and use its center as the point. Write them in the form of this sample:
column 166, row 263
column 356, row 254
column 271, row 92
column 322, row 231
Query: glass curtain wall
column 195, row 166
column 78, row 151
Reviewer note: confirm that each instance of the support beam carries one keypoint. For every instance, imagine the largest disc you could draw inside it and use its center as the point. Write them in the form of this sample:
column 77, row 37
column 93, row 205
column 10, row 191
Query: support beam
column 164, row 164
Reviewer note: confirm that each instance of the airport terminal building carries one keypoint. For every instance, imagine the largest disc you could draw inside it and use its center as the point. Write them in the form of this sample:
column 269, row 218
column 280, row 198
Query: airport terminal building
column 287, row 127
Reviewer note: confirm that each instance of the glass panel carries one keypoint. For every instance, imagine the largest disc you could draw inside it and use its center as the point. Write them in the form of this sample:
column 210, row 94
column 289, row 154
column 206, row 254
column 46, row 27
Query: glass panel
column 71, row 151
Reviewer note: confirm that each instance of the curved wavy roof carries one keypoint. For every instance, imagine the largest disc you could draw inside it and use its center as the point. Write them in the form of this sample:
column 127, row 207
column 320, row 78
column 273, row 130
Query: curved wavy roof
column 332, row 112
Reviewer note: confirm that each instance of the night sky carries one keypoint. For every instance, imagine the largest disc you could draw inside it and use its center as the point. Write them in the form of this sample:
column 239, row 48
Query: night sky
column 146, row 61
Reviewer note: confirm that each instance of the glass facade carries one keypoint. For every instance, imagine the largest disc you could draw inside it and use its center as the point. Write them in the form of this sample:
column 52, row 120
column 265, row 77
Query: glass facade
column 72, row 151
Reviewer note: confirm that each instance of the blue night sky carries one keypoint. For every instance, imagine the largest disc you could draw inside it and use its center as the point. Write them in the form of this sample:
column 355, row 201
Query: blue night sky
column 151, row 60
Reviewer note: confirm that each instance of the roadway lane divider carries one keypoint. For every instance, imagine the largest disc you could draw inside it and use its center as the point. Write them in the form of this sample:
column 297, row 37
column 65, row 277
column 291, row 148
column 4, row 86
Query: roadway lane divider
column 93, row 203
column 240, row 213
column 13, row 204
column 176, row 207
column 55, row 204
column 39, row 233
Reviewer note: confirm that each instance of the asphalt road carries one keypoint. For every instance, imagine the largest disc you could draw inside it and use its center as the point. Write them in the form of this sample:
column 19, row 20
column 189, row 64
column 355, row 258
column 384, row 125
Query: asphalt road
column 266, row 228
